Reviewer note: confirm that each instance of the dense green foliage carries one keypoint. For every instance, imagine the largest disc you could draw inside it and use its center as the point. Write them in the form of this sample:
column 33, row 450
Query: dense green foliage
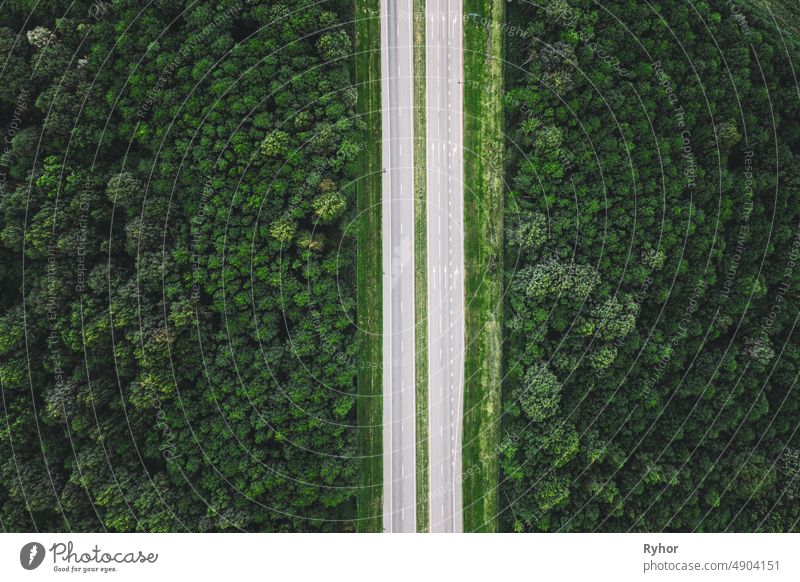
column 652, row 250
column 178, row 280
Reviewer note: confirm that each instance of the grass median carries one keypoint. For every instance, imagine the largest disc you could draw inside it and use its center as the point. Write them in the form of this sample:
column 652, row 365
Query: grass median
column 421, row 270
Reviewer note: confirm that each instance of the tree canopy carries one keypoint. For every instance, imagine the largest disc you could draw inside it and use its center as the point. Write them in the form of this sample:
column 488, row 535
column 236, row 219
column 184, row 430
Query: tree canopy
column 178, row 275
column 651, row 252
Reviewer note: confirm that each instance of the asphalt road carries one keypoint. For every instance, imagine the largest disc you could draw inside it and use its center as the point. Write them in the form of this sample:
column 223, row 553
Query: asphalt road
column 445, row 211
column 399, row 429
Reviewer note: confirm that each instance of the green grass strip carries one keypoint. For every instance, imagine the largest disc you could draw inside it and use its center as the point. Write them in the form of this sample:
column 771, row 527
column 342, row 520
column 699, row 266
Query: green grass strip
column 421, row 270
column 483, row 262
column 369, row 270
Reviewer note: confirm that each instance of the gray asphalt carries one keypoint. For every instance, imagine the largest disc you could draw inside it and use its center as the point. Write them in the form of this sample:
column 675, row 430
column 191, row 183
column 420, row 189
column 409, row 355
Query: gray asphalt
column 445, row 268
column 445, row 211
column 399, row 428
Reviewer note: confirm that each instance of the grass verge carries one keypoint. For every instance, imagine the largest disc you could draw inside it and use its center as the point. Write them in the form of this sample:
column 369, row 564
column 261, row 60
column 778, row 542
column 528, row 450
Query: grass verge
column 369, row 270
column 421, row 270
column 483, row 264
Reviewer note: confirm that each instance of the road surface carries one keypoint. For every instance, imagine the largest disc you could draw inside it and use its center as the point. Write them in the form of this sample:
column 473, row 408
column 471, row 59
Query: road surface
column 445, row 234
column 399, row 427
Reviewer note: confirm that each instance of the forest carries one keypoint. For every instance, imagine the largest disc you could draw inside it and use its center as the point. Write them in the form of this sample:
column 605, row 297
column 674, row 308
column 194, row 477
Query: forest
column 652, row 240
column 177, row 290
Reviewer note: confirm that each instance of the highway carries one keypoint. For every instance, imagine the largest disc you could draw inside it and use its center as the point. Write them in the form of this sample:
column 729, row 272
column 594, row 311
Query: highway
column 445, row 268
column 445, row 250
column 399, row 428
